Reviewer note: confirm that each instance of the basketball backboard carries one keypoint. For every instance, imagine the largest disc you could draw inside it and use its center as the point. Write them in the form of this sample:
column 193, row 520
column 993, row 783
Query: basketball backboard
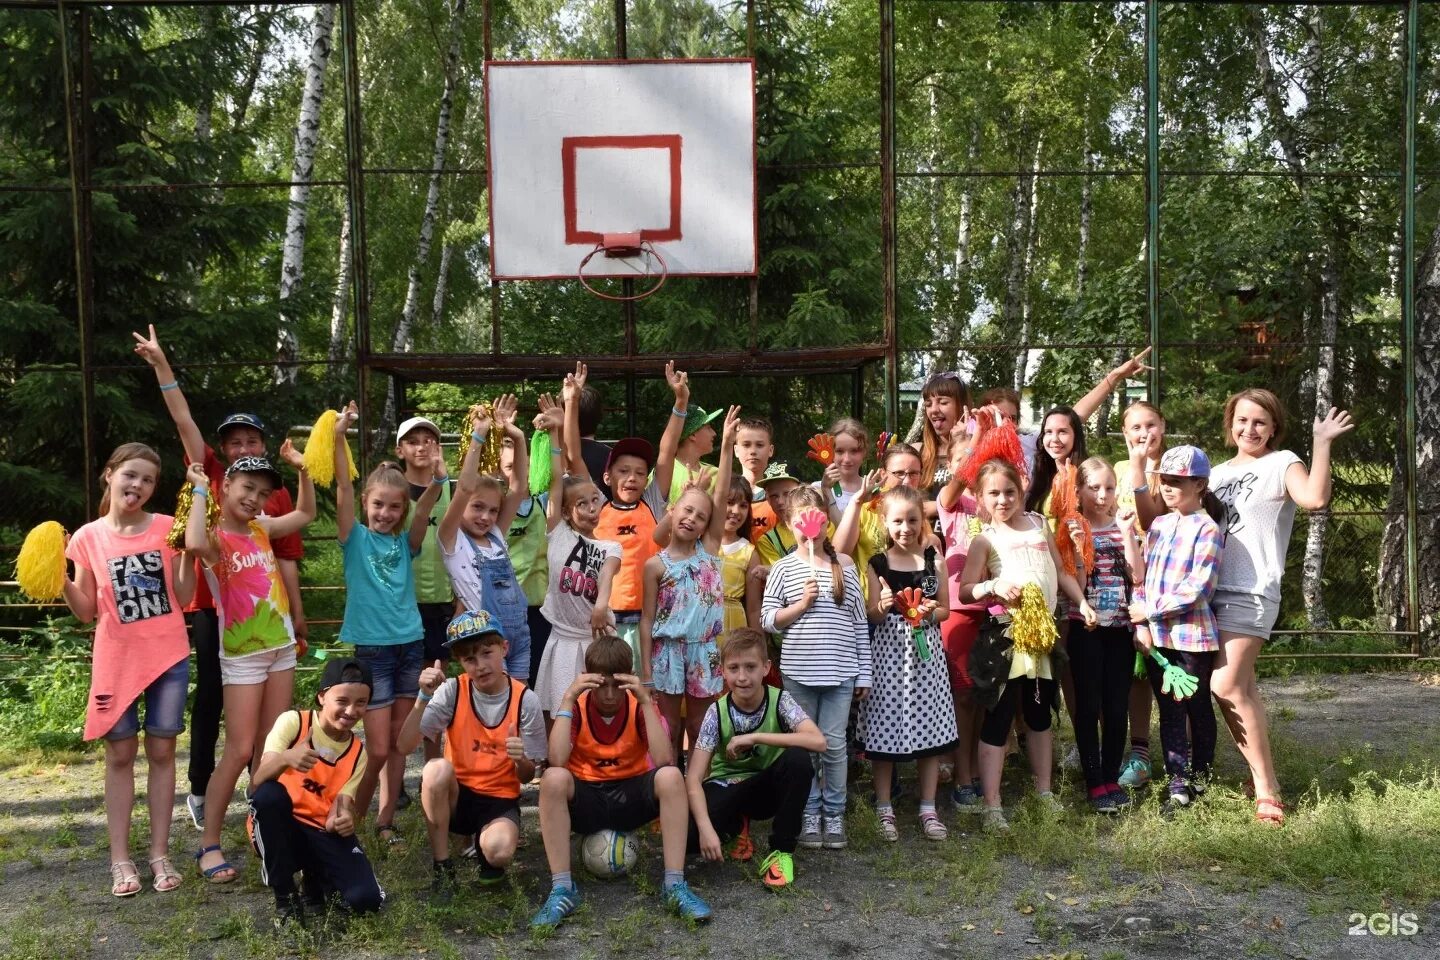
column 582, row 150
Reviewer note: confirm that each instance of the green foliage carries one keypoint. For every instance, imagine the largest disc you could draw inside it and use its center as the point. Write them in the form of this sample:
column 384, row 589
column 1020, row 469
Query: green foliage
column 45, row 687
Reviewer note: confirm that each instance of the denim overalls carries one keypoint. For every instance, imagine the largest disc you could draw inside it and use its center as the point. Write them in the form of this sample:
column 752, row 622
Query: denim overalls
column 505, row 602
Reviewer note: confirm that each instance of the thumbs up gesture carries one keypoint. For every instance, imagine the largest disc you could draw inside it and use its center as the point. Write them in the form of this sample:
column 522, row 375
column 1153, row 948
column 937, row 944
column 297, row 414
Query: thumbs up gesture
column 514, row 745
column 431, row 678
column 887, row 596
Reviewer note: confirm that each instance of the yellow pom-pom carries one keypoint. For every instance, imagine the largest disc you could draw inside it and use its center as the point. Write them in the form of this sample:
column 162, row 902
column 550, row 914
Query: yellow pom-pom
column 320, row 451
column 40, row 567
column 1032, row 627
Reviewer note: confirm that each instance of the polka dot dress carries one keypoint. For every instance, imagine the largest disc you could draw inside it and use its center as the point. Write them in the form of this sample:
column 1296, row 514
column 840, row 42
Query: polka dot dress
column 909, row 712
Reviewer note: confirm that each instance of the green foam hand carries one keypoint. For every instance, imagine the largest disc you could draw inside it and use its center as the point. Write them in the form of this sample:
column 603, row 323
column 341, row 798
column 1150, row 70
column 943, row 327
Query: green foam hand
column 1176, row 681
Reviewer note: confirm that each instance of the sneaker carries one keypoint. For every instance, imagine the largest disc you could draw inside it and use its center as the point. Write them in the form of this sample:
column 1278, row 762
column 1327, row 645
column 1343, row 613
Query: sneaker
column 196, row 805
column 810, row 832
column 687, row 903
column 472, row 852
column 561, row 902
column 995, row 821
column 1072, row 760
column 968, row 797
column 835, row 838
column 1103, row 802
column 489, row 875
column 1199, row 783
column 1179, row 797
column 777, row 871
column 1135, row 773
column 932, row 827
column 888, row 830
column 289, row 911
column 1120, row 797
column 1049, row 802
column 442, row 883
column 743, row 848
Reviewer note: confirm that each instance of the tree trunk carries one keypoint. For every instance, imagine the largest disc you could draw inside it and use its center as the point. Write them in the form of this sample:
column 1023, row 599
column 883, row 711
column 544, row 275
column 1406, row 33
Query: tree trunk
column 437, row 309
column 1017, row 285
column 1313, row 567
column 408, row 313
column 263, row 19
column 340, row 306
column 307, row 133
column 205, row 105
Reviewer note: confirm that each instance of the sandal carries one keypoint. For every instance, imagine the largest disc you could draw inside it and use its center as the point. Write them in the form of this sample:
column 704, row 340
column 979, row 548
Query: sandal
column 167, row 878
column 932, row 826
column 1270, row 811
column 389, row 836
column 124, row 879
column 214, row 874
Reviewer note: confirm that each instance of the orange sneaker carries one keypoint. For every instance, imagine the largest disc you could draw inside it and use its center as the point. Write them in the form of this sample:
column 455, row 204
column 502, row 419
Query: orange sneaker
column 743, row 848
column 778, row 870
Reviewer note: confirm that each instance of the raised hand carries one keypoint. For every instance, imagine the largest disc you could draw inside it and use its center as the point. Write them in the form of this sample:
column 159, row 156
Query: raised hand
column 195, row 474
column 514, row 745
column 504, row 409
column 148, row 348
column 1334, row 424
column 431, row 678
column 874, row 483
column 301, row 757
column 1129, row 368
column 551, row 415
column 679, row 382
column 481, row 418
column 731, row 428
column 347, row 417
column 290, row 455
column 886, row 600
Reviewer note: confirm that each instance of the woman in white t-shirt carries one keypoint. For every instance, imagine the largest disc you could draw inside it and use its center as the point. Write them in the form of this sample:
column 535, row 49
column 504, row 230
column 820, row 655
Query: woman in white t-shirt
column 1260, row 486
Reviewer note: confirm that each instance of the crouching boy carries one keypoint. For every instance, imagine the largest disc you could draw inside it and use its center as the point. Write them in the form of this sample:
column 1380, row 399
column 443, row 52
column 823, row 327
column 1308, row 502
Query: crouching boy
column 611, row 769
column 302, row 798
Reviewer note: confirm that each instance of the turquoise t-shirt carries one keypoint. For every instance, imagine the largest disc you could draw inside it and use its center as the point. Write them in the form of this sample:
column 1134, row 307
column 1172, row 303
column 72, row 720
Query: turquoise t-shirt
column 380, row 606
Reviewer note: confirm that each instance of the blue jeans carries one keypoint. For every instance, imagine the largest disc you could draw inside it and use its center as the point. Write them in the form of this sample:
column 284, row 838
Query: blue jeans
column 164, row 706
column 505, row 602
column 829, row 707
column 395, row 669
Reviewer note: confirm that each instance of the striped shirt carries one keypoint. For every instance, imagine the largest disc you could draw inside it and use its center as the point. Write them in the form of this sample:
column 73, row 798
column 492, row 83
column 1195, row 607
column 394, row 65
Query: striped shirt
column 1182, row 562
column 827, row 644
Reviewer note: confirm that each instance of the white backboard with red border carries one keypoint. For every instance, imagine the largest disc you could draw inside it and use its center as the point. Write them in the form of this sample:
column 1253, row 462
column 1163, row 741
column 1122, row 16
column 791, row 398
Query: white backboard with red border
column 582, row 149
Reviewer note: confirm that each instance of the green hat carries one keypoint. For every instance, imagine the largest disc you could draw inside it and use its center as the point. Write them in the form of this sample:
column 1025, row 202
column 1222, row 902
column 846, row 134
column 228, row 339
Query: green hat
column 776, row 471
column 696, row 418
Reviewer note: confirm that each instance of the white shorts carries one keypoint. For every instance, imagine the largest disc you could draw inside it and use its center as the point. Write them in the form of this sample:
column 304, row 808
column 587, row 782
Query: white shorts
column 1248, row 614
column 256, row 668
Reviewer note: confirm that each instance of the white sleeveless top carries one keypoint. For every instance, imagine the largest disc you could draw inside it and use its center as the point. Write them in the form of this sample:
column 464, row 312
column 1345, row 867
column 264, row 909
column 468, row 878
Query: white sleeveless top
column 1023, row 556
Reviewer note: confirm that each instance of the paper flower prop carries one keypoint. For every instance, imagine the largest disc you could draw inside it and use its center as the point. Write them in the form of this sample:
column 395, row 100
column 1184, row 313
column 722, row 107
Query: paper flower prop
column 320, row 451
column 1032, row 628
column 882, row 444
column 1175, row 681
column 908, row 604
column 184, row 502
column 40, row 566
column 822, row 449
column 1064, row 506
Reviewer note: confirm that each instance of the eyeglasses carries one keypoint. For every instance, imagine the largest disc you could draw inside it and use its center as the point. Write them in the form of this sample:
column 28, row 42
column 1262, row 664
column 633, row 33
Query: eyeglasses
column 904, row 474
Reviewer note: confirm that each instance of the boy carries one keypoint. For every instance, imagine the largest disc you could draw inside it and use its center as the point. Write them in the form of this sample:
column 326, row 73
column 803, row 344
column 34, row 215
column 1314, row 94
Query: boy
column 303, row 800
column 752, row 761
column 606, row 736
column 754, row 446
column 777, row 540
column 591, row 408
column 417, row 445
column 697, row 439
column 239, row 435
column 494, row 737
column 637, row 505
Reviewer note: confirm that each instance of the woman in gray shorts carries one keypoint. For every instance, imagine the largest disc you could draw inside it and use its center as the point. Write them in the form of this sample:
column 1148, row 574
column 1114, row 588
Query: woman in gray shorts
column 1260, row 486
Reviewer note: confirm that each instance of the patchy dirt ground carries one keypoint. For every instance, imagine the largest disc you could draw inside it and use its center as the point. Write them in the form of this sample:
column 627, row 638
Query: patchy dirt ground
column 1027, row 896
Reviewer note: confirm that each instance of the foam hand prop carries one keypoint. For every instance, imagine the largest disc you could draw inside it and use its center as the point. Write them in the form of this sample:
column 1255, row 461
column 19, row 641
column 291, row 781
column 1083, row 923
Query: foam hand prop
column 822, row 449
column 1176, row 681
column 811, row 524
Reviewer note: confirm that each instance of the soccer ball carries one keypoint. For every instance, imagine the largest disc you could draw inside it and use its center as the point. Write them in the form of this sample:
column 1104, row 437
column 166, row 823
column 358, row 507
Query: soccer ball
column 609, row 853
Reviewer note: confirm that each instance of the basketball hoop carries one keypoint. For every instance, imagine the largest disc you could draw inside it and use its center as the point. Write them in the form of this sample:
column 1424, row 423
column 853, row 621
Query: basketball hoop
column 623, row 246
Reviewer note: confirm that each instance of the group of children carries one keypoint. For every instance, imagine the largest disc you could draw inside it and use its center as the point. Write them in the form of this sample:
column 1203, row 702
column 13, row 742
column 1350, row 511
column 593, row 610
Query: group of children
column 647, row 614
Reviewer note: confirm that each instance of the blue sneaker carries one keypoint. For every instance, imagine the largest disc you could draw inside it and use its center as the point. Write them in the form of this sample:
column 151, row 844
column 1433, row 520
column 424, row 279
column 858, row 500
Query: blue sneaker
column 560, row 904
column 1135, row 773
column 687, row 903
column 967, row 797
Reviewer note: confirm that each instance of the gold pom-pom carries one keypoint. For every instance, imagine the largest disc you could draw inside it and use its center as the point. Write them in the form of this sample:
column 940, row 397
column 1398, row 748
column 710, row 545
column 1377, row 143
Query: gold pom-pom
column 40, row 567
column 183, row 503
column 320, row 451
column 489, row 462
column 1032, row 625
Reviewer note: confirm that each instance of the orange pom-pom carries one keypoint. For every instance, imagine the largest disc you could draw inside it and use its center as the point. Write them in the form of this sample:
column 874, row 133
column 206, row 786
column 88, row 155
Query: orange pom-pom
column 1070, row 525
column 993, row 443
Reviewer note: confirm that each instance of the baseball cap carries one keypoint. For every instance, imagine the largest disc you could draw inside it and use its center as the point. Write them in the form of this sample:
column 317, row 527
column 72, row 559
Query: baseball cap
column 695, row 419
column 253, row 465
column 412, row 424
column 1184, row 461
column 776, row 471
column 335, row 670
column 632, row 447
column 241, row 420
column 471, row 623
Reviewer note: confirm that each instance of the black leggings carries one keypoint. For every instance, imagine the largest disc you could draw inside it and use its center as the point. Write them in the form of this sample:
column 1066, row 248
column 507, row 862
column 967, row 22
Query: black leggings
column 1102, row 662
column 209, row 698
column 1033, row 698
column 779, row 792
column 1187, row 727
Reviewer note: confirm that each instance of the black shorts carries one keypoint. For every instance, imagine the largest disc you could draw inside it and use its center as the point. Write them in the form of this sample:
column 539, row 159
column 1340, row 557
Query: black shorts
column 614, row 804
column 475, row 811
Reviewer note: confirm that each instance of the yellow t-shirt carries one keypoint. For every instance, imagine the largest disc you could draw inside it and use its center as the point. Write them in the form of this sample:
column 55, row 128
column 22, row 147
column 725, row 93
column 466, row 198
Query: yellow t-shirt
column 287, row 728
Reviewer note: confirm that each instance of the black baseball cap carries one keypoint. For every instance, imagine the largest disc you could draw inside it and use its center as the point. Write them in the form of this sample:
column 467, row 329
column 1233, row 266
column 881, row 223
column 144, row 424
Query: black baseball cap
column 241, row 420
column 335, row 670
column 632, row 447
column 254, row 465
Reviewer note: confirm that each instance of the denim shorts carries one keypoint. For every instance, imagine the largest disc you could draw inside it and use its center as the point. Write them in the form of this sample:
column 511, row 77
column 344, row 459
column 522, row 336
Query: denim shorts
column 257, row 667
column 395, row 669
column 164, row 706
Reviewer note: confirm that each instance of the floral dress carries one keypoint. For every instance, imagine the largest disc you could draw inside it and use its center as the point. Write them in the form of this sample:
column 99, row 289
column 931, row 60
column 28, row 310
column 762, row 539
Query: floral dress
column 689, row 617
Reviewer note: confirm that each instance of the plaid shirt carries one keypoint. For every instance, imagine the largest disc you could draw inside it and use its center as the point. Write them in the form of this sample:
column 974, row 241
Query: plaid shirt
column 1182, row 562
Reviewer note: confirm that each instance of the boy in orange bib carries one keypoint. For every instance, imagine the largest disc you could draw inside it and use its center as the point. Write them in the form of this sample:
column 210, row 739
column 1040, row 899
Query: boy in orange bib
column 494, row 736
column 612, row 768
column 303, row 800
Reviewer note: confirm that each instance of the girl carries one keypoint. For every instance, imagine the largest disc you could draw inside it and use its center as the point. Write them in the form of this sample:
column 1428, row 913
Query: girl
column 1101, row 660
column 825, row 657
column 257, row 638
column 1016, row 549
column 739, row 559
column 526, row 537
column 1138, row 491
column 128, row 577
column 842, row 479
column 577, row 597
column 944, row 398
column 1173, row 615
column 860, row 530
column 479, row 565
column 682, row 610
column 381, row 619
column 1260, row 487
column 909, row 715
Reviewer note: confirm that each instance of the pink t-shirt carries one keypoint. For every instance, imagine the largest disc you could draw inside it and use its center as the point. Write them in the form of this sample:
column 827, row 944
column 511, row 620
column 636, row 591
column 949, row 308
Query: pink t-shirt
column 959, row 526
column 250, row 598
column 140, row 631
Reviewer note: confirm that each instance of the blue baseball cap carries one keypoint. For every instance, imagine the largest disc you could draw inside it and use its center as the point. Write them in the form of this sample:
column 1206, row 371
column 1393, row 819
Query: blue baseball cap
column 1184, row 461
column 241, row 420
column 470, row 624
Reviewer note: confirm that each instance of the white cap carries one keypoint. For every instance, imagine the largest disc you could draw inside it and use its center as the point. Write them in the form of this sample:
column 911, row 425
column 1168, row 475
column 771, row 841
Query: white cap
column 414, row 422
